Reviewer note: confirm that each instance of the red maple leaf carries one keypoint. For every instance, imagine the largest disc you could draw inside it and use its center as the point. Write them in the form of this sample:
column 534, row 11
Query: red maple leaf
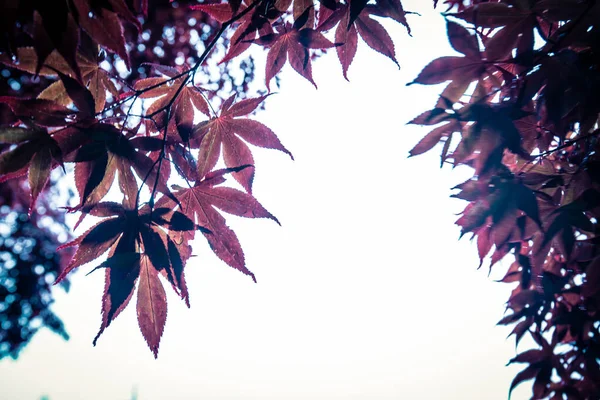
column 225, row 131
column 292, row 43
column 461, row 71
column 355, row 20
column 138, row 247
column 200, row 204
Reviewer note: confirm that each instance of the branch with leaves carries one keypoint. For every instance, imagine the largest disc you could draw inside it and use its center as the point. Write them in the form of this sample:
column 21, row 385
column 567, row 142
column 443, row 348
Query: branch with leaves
column 127, row 93
column 523, row 117
column 143, row 134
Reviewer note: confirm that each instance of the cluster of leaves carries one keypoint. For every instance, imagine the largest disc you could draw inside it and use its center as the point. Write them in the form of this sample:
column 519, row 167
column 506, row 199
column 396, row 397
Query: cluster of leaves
column 151, row 126
column 521, row 105
column 29, row 264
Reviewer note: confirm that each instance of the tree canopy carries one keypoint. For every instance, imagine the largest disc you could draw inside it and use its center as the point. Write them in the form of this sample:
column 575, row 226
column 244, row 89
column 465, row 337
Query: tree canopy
column 144, row 97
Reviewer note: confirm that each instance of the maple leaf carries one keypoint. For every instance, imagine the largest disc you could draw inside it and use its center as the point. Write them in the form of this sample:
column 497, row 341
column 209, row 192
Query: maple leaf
column 225, row 131
column 137, row 248
column 36, row 152
column 350, row 26
column 200, row 204
column 292, row 43
column 461, row 71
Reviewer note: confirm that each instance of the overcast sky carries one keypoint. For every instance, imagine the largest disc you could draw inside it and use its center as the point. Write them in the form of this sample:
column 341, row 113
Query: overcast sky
column 364, row 292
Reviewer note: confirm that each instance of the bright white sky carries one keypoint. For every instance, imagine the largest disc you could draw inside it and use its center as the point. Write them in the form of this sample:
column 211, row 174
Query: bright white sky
column 363, row 293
